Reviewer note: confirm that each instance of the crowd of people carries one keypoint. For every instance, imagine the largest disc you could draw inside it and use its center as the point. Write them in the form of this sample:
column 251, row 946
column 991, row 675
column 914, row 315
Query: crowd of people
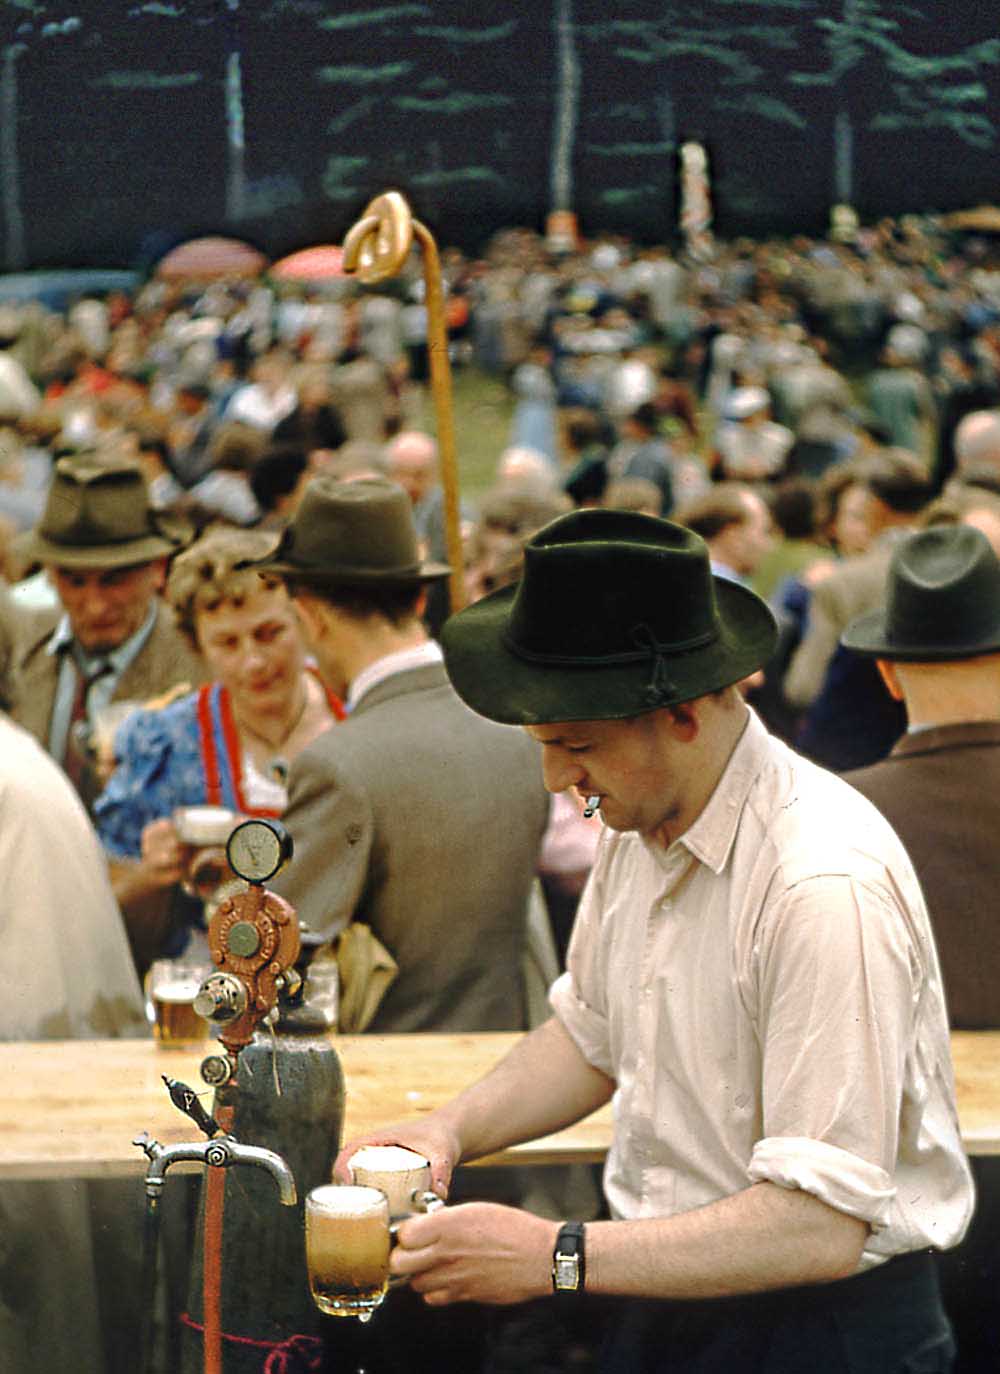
column 225, row 582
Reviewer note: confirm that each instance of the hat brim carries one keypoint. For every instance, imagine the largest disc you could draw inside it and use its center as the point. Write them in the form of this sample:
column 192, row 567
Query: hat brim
column 500, row 685
column 868, row 635
column 37, row 548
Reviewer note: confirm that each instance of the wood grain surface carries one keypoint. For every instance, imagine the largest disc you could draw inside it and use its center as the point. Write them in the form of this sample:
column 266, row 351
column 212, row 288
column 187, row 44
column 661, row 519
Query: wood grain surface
column 72, row 1109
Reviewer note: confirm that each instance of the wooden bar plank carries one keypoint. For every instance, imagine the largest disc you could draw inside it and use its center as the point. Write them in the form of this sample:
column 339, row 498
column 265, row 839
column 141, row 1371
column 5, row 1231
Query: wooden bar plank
column 72, row 1109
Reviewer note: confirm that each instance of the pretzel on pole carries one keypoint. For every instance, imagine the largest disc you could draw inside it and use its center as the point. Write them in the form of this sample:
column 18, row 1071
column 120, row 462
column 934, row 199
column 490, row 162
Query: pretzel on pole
column 375, row 248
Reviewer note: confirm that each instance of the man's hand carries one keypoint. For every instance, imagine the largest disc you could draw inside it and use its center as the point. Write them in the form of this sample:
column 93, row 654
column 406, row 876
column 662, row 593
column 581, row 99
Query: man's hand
column 165, row 859
column 429, row 1136
column 477, row 1252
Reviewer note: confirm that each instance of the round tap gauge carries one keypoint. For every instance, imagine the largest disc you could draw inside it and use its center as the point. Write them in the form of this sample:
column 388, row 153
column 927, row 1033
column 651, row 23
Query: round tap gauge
column 257, row 849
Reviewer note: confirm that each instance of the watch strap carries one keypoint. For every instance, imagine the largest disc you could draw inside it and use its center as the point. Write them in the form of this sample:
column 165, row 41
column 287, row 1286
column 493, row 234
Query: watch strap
column 568, row 1259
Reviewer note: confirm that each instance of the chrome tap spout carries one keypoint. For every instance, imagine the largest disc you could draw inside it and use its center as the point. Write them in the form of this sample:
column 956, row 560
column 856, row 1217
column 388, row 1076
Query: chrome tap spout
column 220, row 1153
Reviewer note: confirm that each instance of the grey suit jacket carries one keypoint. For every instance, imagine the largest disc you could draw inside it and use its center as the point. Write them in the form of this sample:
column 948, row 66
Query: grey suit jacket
column 855, row 586
column 165, row 660
column 940, row 791
column 424, row 821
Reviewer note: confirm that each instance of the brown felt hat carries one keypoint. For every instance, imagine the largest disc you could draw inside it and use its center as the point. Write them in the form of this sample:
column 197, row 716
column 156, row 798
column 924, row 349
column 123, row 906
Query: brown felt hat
column 616, row 614
column 97, row 515
column 352, row 534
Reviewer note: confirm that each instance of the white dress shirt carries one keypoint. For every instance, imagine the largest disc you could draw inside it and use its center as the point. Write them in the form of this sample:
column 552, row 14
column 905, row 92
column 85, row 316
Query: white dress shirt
column 766, row 995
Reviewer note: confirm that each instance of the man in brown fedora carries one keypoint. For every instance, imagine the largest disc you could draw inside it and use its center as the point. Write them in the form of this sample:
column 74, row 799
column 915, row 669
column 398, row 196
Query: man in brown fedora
column 415, row 817
column 106, row 553
column 751, row 978
column 936, row 642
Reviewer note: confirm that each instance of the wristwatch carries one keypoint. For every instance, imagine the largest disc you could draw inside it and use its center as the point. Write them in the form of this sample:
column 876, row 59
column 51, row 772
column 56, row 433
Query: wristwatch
column 568, row 1264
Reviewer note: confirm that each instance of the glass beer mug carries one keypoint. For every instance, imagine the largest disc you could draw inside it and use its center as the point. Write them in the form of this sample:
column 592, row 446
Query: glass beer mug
column 171, row 987
column 347, row 1249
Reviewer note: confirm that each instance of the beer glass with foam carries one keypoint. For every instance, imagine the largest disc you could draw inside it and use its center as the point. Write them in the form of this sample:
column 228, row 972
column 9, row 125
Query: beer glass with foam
column 347, row 1249
column 403, row 1175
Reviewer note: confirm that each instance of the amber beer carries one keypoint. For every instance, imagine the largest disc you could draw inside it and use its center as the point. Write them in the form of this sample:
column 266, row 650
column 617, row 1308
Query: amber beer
column 171, row 990
column 347, row 1249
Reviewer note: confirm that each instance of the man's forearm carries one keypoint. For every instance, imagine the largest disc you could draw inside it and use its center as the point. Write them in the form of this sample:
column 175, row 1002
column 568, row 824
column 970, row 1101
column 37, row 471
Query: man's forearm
column 762, row 1238
column 543, row 1084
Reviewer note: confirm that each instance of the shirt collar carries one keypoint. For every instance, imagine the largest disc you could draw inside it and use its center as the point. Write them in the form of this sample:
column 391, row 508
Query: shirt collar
column 710, row 838
column 419, row 656
column 117, row 659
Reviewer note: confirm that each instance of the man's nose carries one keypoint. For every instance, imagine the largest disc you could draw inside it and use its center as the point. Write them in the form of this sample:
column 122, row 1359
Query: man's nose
column 559, row 769
column 96, row 601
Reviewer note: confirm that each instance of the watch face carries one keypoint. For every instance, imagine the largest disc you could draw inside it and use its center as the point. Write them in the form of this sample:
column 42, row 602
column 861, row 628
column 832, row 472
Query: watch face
column 257, row 849
column 567, row 1271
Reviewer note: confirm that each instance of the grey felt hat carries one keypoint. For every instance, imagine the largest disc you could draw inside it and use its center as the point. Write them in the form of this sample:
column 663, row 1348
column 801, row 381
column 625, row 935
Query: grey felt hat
column 97, row 515
column 352, row 534
column 942, row 600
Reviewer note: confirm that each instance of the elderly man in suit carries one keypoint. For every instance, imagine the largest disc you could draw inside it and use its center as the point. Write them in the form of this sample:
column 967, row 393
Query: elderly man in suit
column 106, row 554
column 936, row 642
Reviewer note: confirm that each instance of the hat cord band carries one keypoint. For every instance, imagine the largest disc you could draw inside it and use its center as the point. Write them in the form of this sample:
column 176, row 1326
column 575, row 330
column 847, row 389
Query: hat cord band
column 660, row 687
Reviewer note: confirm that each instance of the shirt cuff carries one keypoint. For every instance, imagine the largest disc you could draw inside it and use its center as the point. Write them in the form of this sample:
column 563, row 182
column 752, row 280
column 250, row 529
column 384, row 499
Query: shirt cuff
column 841, row 1180
column 587, row 1028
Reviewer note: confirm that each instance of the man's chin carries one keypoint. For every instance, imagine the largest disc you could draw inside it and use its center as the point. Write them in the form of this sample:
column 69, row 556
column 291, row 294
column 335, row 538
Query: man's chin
column 95, row 647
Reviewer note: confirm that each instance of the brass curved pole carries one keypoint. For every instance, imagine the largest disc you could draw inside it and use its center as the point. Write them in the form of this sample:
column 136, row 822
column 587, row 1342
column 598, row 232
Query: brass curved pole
column 375, row 248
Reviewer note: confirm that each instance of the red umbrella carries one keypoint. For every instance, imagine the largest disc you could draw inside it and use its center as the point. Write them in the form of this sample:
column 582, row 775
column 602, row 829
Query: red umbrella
column 322, row 262
column 208, row 259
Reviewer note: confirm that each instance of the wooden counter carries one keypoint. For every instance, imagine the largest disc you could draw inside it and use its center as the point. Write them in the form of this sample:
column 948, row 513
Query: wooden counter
column 72, row 1109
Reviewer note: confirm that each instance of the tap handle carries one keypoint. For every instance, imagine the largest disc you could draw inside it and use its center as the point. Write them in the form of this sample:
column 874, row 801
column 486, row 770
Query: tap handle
column 186, row 1099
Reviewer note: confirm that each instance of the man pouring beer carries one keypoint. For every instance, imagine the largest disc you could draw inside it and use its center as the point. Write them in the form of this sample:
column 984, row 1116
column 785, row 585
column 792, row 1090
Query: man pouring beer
column 751, row 978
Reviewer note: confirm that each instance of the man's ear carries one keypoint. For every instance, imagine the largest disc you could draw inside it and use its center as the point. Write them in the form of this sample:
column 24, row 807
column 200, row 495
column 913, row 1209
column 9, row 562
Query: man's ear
column 685, row 721
column 887, row 672
column 310, row 614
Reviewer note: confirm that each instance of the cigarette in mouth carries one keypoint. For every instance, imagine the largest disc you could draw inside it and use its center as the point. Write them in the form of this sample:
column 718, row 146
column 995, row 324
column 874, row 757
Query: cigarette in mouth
column 592, row 804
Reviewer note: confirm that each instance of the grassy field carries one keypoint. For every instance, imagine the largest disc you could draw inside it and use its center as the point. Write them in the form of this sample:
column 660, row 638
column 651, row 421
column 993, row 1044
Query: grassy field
column 482, row 407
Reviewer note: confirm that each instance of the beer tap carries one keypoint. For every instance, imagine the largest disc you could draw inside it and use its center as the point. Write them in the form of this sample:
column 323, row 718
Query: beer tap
column 254, row 940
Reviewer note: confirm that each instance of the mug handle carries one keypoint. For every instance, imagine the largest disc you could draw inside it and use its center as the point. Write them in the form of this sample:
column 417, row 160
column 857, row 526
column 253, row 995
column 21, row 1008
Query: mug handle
column 421, row 1201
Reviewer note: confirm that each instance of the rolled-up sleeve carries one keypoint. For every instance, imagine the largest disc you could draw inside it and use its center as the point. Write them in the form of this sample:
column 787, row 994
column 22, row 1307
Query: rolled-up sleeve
column 587, row 1026
column 836, row 965
column 579, row 997
column 839, row 1179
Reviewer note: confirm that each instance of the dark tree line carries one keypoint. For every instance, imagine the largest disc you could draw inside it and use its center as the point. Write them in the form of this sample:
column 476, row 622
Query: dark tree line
column 130, row 123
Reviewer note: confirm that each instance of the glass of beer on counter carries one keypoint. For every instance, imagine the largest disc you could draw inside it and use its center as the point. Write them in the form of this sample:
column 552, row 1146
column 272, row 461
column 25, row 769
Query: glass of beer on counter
column 171, row 987
column 347, row 1249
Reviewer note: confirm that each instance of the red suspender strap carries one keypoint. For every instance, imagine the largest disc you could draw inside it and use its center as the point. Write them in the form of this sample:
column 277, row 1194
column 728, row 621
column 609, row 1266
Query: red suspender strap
column 209, row 756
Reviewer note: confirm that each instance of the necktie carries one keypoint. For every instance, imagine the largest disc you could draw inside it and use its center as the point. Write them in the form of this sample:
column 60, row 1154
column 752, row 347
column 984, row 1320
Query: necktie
column 77, row 760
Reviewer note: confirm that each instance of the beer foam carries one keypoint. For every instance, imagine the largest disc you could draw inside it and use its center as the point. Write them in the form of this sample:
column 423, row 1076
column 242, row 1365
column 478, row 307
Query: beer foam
column 386, row 1159
column 346, row 1199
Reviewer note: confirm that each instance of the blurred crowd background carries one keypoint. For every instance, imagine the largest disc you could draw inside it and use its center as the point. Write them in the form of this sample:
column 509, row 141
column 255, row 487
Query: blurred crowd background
column 795, row 401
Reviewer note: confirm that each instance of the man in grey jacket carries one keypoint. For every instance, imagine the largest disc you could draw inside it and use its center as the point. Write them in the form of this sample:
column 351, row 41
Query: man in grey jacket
column 415, row 817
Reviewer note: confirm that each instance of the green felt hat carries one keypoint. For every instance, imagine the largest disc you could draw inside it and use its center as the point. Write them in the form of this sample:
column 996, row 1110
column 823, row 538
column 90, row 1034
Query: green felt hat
column 616, row 614
column 97, row 515
column 352, row 534
column 942, row 600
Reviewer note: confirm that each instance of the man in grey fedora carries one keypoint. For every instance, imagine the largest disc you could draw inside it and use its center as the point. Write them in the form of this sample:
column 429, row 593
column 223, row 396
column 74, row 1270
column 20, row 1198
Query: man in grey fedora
column 751, row 979
column 936, row 642
column 106, row 553
column 415, row 817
